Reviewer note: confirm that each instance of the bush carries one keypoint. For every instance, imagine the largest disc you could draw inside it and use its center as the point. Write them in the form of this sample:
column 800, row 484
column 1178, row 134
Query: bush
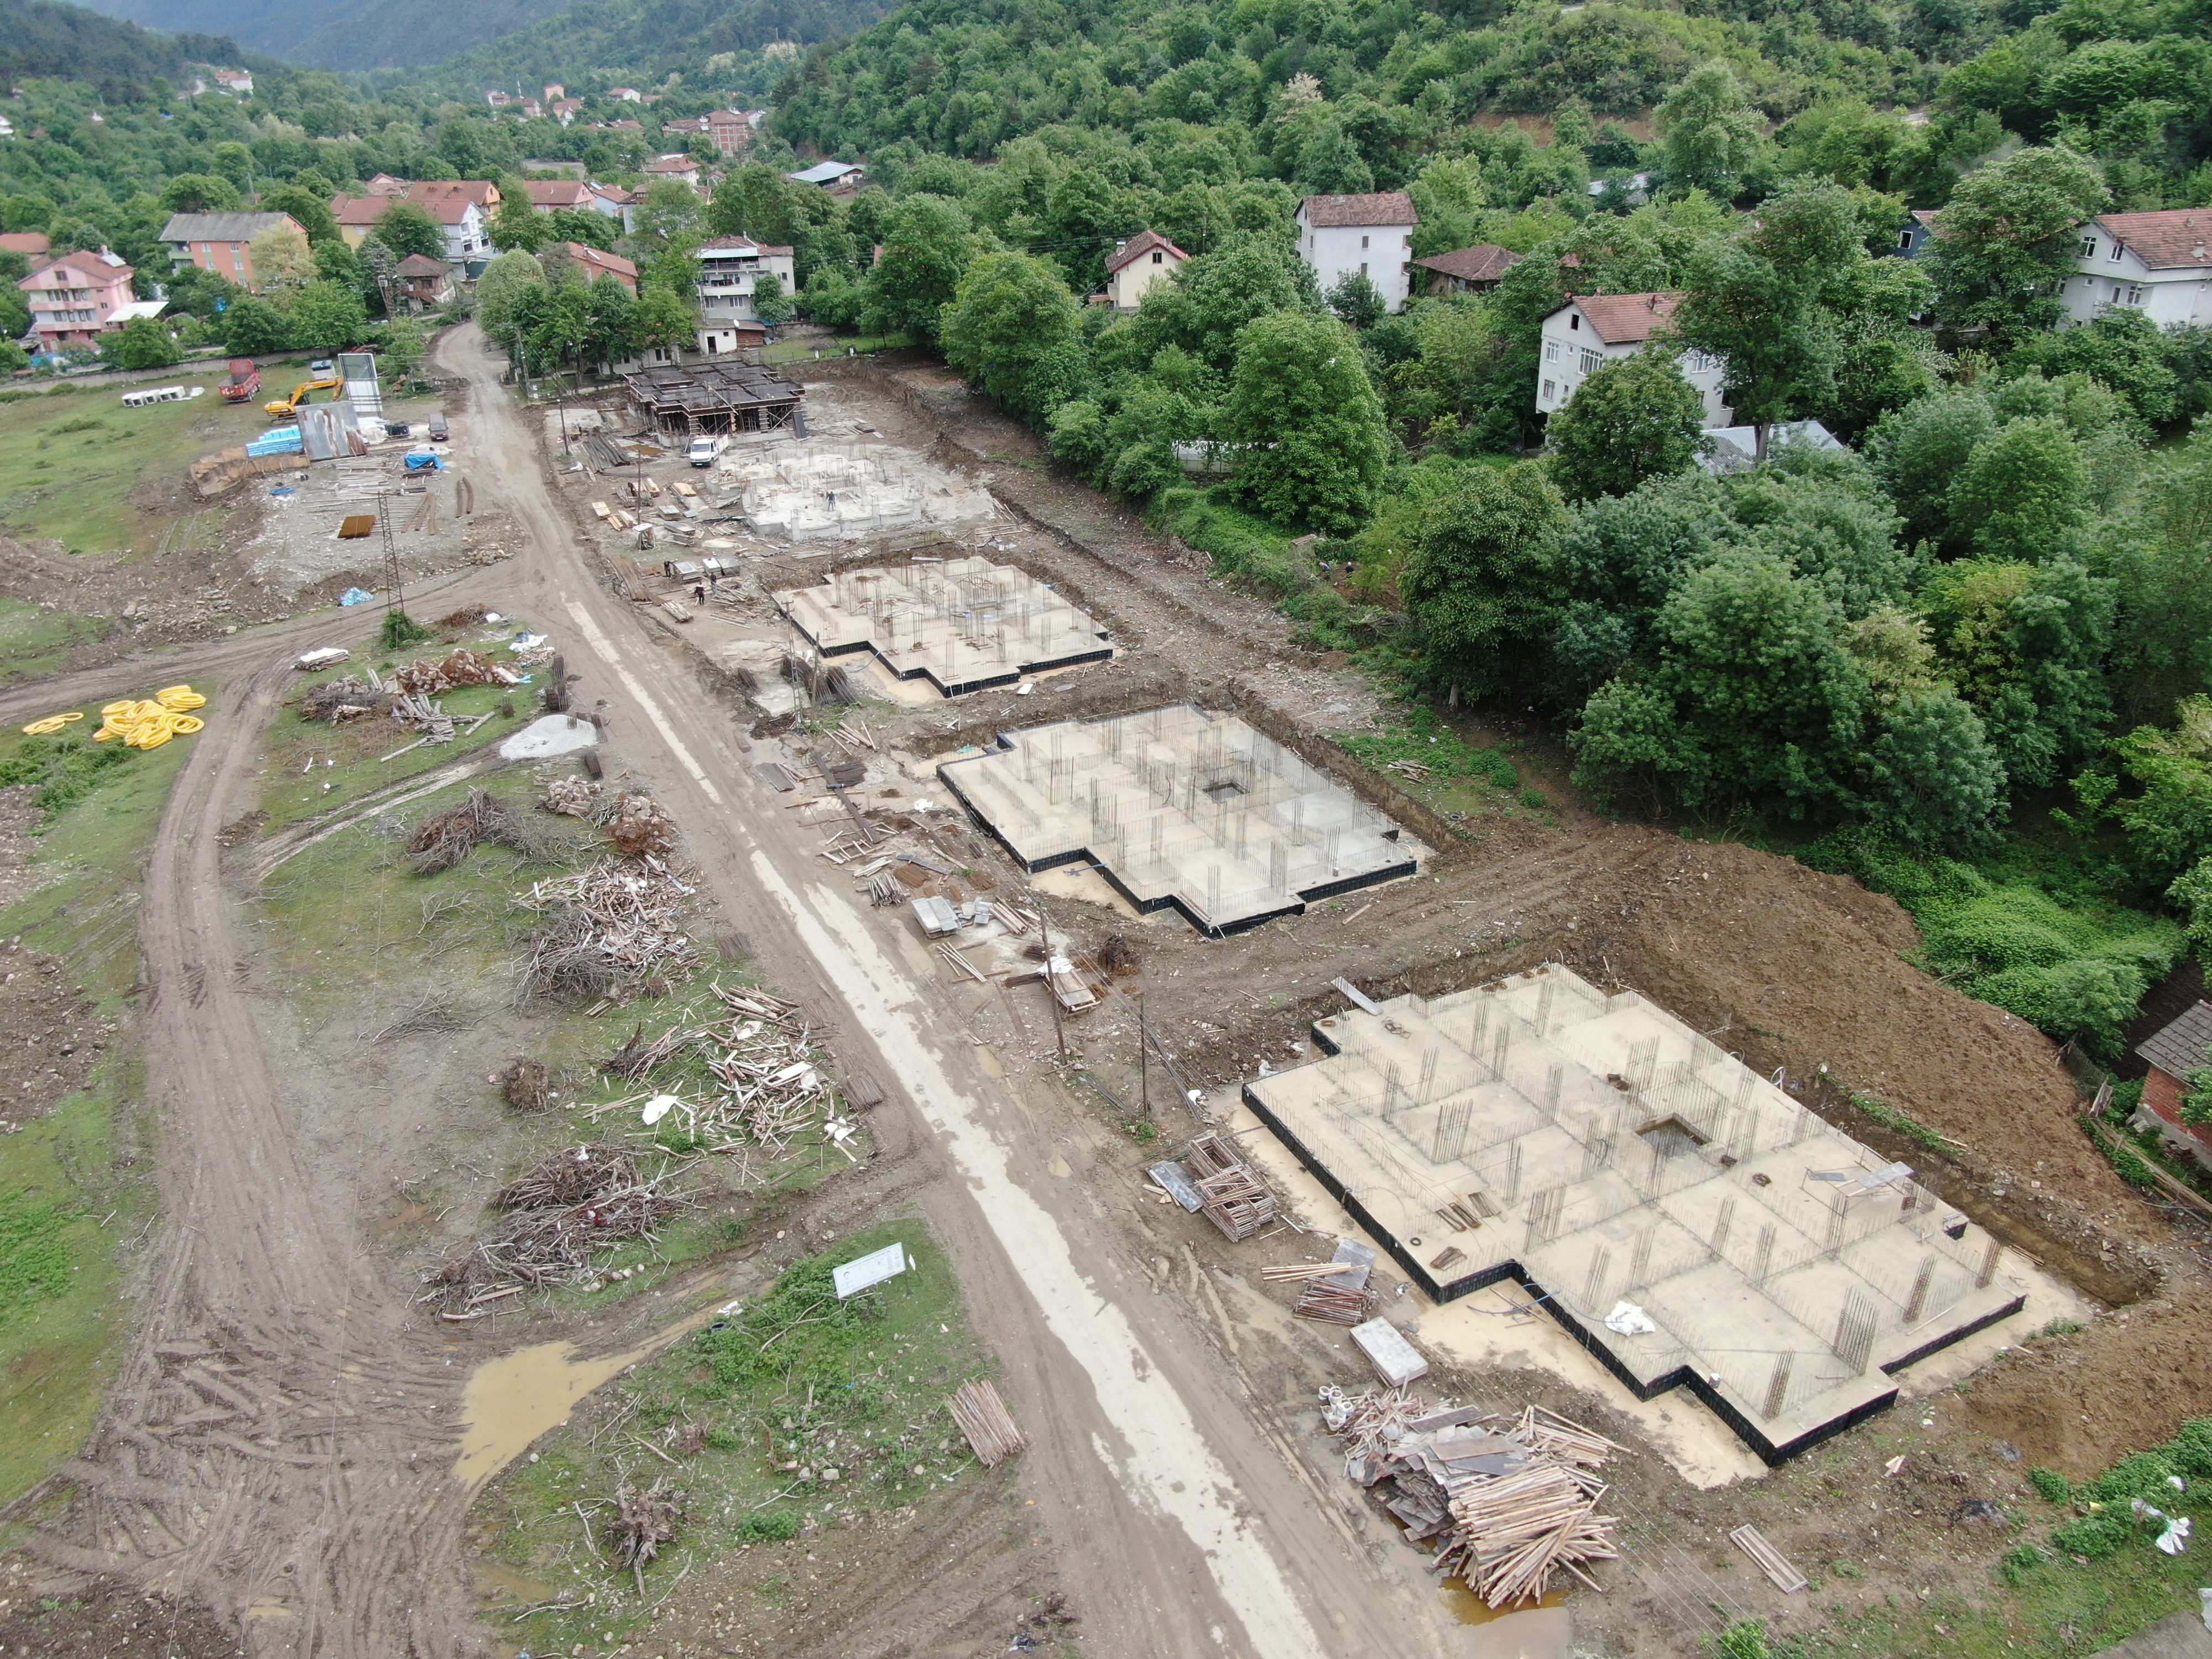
column 768, row 1527
column 1240, row 544
column 2095, row 1537
column 2019, row 1561
column 2051, row 1486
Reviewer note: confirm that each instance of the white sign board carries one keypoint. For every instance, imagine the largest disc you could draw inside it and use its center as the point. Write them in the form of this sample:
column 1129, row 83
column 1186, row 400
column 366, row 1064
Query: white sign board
column 872, row 1268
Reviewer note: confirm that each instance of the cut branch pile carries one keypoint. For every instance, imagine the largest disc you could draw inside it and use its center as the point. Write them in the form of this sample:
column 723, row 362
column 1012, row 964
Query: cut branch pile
column 607, row 931
column 1507, row 1506
column 640, row 825
column 340, row 700
column 431, row 676
column 770, row 1081
column 643, row 1523
column 574, row 1202
column 444, row 839
column 527, row 1085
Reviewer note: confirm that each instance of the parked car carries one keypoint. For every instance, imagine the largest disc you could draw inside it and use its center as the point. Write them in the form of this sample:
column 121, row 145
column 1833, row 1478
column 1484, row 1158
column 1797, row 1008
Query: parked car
column 439, row 434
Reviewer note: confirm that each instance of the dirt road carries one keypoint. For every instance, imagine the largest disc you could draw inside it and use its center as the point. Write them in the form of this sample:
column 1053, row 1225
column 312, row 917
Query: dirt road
column 280, row 1442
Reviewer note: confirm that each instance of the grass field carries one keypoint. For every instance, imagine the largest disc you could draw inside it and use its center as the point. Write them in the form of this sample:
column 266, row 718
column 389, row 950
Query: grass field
column 35, row 641
column 69, row 461
column 68, row 1197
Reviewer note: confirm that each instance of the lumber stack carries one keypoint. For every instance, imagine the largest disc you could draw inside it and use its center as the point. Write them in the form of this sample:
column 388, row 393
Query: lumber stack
column 982, row 1417
column 1236, row 1199
column 1511, row 1506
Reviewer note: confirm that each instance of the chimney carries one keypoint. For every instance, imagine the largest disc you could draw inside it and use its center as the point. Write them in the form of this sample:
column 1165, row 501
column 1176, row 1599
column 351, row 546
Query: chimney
column 1651, row 302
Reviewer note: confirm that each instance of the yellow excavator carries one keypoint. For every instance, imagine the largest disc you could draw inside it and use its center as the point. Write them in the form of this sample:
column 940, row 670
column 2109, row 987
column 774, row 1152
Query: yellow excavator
column 283, row 407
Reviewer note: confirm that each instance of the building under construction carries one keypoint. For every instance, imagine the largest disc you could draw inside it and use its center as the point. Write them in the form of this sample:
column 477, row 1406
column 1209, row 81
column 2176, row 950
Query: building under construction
column 1180, row 808
column 714, row 397
column 1685, row 1219
column 962, row 625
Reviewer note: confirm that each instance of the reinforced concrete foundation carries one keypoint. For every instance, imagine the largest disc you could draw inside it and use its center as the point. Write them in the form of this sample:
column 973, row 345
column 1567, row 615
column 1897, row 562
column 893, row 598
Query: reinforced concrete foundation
column 962, row 625
column 1179, row 807
column 1681, row 1217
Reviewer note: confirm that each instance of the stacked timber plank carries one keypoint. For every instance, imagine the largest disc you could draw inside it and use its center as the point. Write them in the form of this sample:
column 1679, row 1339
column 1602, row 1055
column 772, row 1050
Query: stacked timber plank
column 982, row 1417
column 1511, row 1506
column 1236, row 1199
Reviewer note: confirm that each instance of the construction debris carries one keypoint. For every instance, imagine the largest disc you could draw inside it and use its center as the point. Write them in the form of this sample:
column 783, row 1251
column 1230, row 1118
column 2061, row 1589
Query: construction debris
column 609, row 930
column 1236, row 1199
column 527, row 1084
column 429, row 677
column 444, row 839
column 1339, row 1295
column 1770, row 1560
column 983, row 1419
column 340, row 700
column 1508, row 1507
column 571, row 796
column 640, row 825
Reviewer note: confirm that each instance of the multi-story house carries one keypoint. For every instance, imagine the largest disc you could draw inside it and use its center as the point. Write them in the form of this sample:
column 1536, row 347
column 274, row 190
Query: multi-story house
column 222, row 242
column 76, row 298
column 1371, row 235
column 1584, row 335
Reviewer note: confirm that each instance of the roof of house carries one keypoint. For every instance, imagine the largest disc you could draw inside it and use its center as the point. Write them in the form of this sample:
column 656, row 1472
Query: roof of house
column 1385, row 207
column 1628, row 318
column 675, row 164
column 598, row 260
column 422, row 264
column 115, row 266
column 1485, row 262
column 1143, row 243
column 549, row 193
column 742, row 247
column 33, row 242
column 385, row 185
column 2180, row 1048
column 224, row 226
column 441, row 201
column 823, row 172
column 434, row 193
column 2164, row 241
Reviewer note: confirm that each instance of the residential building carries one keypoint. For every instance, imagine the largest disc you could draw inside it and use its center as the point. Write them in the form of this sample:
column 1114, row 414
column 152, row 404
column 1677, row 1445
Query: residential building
column 1474, row 270
column 425, row 283
column 595, row 263
column 555, row 92
column 558, row 195
column 33, row 244
column 7, row 128
column 2159, row 264
column 237, row 82
column 1137, row 265
column 729, row 130
column 2172, row 1053
column 531, row 109
column 1634, row 188
column 385, row 185
column 615, row 202
column 626, row 94
column 729, row 273
column 222, row 242
column 565, row 110
column 76, row 299
column 463, row 207
column 681, row 168
column 497, row 99
column 1913, row 237
column 1584, row 335
column 838, row 177
column 1371, row 235
column 1731, row 449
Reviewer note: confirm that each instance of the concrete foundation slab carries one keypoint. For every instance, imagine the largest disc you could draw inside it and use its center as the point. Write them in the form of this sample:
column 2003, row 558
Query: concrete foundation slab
column 1179, row 807
column 820, row 491
column 958, row 624
column 1596, row 1150
column 553, row 734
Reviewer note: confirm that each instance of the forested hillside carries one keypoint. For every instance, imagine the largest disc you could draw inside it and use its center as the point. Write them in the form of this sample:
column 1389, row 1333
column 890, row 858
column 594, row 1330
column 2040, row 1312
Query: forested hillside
column 395, row 32
column 67, row 42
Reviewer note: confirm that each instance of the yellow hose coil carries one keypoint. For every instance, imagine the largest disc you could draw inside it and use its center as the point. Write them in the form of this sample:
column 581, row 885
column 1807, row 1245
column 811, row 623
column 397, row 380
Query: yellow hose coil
column 149, row 723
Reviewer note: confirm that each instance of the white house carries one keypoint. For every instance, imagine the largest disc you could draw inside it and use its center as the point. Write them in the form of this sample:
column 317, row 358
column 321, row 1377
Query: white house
column 729, row 271
column 1584, row 335
column 2159, row 264
column 1371, row 234
column 1137, row 265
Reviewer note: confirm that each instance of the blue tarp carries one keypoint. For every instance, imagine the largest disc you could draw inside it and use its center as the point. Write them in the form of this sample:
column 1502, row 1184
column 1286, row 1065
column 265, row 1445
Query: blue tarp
column 355, row 596
column 423, row 461
column 277, row 440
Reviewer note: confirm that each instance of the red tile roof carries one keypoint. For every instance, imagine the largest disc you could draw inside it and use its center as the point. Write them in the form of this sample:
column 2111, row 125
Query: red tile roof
column 1142, row 244
column 595, row 260
column 1485, row 262
column 1386, row 207
column 33, row 242
column 2164, row 241
column 547, row 194
column 1629, row 318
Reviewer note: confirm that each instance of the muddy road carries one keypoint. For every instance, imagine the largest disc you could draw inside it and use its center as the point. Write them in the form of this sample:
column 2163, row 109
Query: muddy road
column 280, row 1442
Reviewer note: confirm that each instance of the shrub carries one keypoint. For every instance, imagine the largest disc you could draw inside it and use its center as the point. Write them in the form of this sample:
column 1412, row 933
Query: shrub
column 2096, row 1536
column 2051, row 1486
column 768, row 1527
column 2019, row 1561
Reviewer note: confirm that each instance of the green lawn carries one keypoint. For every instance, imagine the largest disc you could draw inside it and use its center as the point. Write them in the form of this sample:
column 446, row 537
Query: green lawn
column 35, row 641
column 69, row 461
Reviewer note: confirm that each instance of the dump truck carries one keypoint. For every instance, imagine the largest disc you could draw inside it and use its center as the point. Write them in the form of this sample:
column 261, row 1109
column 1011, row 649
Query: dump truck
column 244, row 382
column 283, row 408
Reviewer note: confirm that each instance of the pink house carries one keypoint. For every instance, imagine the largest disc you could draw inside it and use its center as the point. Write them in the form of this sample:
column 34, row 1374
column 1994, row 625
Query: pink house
column 76, row 299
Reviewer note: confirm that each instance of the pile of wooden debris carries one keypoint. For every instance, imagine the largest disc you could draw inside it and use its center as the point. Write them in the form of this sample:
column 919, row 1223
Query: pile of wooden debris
column 1509, row 1505
column 610, row 931
column 464, row 667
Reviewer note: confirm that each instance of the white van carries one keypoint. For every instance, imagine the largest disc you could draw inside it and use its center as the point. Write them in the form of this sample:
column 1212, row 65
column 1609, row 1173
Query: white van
column 705, row 451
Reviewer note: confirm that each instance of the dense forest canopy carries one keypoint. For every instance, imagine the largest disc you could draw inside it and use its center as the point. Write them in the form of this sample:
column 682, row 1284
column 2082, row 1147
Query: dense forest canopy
column 395, row 32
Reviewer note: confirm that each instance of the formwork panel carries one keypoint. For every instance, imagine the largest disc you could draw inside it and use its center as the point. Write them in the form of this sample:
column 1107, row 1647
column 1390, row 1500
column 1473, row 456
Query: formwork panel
column 1598, row 1150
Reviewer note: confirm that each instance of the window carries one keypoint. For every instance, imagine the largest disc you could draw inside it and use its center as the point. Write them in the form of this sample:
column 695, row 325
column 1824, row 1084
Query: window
column 2117, row 251
column 1363, row 243
column 1156, row 259
column 1550, row 351
column 2088, row 247
column 1574, row 319
column 1549, row 387
column 1363, row 267
column 2136, row 295
column 1904, row 238
column 1592, row 360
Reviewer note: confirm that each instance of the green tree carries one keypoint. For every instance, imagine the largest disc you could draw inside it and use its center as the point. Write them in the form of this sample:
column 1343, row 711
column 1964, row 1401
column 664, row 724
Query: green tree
column 927, row 245
column 1634, row 420
column 2021, row 491
column 1919, row 451
column 2168, row 813
column 199, row 192
column 518, row 224
column 665, row 319
column 1009, row 312
column 1754, row 702
column 405, row 348
column 254, row 328
column 407, row 227
column 1206, row 304
column 2121, row 348
column 1936, row 782
column 141, row 343
column 311, row 212
column 1483, row 580
column 1309, row 426
column 2025, row 646
column 1356, row 300
column 770, row 303
column 326, row 318
column 2005, row 243
column 2161, row 562
column 504, row 278
column 1708, row 132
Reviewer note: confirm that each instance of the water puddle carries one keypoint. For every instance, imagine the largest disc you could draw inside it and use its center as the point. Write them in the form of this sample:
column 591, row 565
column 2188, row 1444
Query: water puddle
column 1545, row 1631
column 512, row 1400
